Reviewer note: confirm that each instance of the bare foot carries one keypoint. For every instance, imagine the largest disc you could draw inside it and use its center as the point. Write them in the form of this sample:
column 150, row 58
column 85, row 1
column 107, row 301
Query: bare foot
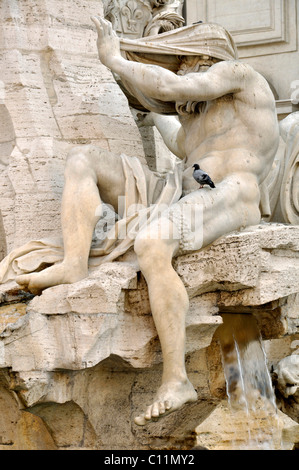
column 170, row 397
column 53, row 276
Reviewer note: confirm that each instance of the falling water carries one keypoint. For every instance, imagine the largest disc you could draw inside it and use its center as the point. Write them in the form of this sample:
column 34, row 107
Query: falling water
column 253, row 412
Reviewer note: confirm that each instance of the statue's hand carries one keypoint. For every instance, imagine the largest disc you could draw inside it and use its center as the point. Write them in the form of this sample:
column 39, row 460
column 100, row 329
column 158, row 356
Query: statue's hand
column 108, row 42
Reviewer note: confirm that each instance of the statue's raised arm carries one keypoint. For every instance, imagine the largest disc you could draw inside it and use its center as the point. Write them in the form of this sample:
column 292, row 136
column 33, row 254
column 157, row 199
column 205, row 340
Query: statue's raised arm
column 108, row 42
column 159, row 82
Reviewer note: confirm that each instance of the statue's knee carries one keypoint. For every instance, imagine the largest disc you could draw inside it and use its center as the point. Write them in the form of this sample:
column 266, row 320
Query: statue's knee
column 78, row 159
column 142, row 246
column 151, row 253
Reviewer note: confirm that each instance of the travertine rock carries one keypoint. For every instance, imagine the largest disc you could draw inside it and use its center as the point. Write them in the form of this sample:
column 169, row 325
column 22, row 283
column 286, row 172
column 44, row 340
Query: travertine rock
column 51, row 83
column 79, row 325
column 19, row 429
column 75, row 344
column 258, row 265
column 235, row 430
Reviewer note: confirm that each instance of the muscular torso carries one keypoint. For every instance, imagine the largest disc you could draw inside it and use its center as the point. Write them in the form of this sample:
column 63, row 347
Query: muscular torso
column 235, row 133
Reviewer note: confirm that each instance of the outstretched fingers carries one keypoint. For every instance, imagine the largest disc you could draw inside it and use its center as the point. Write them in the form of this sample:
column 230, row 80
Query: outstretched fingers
column 97, row 21
column 103, row 26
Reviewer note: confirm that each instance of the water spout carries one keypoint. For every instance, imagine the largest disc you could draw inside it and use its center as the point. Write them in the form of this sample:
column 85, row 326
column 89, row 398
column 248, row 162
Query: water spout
column 253, row 411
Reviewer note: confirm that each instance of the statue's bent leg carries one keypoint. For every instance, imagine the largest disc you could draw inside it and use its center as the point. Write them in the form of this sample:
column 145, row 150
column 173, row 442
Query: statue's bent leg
column 87, row 172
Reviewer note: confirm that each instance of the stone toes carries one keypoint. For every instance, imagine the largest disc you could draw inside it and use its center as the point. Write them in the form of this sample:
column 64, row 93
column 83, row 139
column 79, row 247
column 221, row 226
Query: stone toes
column 27, row 285
column 140, row 420
column 162, row 408
column 153, row 412
column 168, row 405
column 23, row 282
column 149, row 413
column 157, row 409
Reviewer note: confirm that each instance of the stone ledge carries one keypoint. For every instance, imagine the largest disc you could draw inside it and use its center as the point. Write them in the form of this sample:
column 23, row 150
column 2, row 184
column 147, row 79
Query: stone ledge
column 252, row 267
column 278, row 430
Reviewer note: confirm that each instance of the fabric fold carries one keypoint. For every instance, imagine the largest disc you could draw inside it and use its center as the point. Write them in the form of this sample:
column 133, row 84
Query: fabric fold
column 145, row 198
column 165, row 51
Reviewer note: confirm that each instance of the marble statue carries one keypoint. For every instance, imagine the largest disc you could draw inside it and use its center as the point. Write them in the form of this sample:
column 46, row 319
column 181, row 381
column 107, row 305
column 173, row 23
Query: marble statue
column 287, row 376
column 286, row 381
column 211, row 109
column 289, row 195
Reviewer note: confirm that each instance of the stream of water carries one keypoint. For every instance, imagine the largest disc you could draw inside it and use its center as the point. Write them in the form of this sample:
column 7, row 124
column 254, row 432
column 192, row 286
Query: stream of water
column 253, row 411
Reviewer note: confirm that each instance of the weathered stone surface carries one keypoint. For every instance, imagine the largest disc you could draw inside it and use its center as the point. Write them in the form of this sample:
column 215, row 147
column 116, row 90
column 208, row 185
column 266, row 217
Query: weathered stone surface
column 54, row 94
column 102, row 325
column 79, row 325
column 225, row 429
column 19, row 429
column 230, row 264
column 252, row 267
column 9, row 314
column 100, row 329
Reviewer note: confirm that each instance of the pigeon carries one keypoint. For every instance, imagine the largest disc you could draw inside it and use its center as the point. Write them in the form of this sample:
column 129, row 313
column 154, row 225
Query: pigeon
column 202, row 177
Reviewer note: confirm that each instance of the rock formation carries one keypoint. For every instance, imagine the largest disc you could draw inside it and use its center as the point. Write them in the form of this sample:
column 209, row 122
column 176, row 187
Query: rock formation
column 79, row 362
column 86, row 353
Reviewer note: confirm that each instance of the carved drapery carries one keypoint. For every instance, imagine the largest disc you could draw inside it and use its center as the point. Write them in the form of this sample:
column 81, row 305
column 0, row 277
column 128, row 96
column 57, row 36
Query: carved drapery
column 289, row 197
column 282, row 183
column 134, row 19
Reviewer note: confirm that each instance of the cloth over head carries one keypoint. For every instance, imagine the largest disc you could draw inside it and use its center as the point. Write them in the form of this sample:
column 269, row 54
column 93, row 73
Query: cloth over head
column 165, row 51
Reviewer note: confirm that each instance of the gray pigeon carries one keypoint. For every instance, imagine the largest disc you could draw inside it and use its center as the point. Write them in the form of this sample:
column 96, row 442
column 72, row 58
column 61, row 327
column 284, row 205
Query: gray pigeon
column 202, row 177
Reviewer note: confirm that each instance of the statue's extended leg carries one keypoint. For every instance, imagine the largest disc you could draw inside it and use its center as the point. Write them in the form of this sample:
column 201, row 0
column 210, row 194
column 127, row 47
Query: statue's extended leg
column 86, row 166
column 169, row 305
column 209, row 214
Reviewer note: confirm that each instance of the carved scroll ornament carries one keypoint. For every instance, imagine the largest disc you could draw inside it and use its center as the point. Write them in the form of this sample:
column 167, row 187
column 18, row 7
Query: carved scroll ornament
column 138, row 18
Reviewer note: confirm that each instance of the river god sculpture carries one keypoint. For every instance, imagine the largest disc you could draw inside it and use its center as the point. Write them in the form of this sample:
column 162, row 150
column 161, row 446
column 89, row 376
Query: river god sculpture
column 226, row 123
